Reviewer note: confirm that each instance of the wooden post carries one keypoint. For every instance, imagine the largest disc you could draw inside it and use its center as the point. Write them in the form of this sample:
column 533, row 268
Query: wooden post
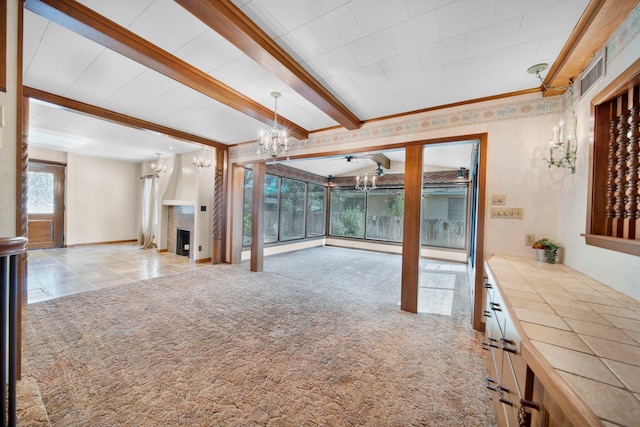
column 218, row 252
column 257, row 218
column 631, row 221
column 621, row 166
column 411, row 230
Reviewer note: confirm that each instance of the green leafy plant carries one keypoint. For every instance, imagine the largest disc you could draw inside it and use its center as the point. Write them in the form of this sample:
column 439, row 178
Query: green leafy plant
column 351, row 222
column 550, row 249
column 396, row 205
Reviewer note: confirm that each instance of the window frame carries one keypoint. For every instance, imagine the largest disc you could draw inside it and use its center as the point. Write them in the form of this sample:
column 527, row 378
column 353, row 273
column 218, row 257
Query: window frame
column 598, row 166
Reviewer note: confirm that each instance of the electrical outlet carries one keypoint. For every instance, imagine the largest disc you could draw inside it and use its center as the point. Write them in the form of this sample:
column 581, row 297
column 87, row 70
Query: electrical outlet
column 529, row 239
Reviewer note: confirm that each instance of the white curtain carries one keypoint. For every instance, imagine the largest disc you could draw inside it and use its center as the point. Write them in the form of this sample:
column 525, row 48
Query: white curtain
column 149, row 203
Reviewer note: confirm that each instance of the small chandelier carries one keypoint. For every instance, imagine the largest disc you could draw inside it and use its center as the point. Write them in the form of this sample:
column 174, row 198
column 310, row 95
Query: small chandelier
column 273, row 141
column 157, row 167
column 366, row 182
column 200, row 162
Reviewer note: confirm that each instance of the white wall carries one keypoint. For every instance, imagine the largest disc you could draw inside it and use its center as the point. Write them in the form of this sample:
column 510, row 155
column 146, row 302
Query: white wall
column 8, row 131
column 619, row 270
column 102, row 200
column 102, row 197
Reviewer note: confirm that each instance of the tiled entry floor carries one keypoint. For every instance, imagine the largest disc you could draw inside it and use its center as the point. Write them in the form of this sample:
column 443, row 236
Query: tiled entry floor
column 53, row 273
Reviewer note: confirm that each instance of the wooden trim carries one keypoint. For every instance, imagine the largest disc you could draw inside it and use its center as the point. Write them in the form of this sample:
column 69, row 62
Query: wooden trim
column 230, row 22
column 597, row 24
column 12, row 246
column 203, row 261
column 112, row 242
column 3, row 45
column 631, row 247
column 411, row 229
column 562, row 393
column 47, row 162
column 78, row 18
column 257, row 218
column 603, row 110
column 118, row 118
column 480, row 224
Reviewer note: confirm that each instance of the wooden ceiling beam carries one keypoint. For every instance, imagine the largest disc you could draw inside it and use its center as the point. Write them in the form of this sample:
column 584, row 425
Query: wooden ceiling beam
column 117, row 118
column 382, row 160
column 597, row 24
column 78, row 18
column 223, row 17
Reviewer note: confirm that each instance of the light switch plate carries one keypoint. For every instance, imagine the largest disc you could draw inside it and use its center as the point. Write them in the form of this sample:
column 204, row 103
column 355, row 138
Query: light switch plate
column 498, row 199
column 507, row 213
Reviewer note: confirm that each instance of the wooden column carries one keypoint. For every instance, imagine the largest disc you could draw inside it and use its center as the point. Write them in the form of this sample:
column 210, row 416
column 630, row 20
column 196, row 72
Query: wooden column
column 257, row 217
column 219, row 208
column 411, row 230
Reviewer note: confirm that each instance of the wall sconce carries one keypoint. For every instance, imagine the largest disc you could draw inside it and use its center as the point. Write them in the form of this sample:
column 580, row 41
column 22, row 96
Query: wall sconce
column 563, row 148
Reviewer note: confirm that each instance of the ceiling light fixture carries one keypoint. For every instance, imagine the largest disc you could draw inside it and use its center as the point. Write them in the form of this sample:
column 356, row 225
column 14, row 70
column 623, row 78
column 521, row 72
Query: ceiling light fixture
column 461, row 177
column 200, row 162
column 157, row 167
column 273, row 141
column 367, row 181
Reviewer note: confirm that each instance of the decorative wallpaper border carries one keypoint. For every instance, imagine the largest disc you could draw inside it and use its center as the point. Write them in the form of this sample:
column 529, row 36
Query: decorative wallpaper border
column 624, row 35
column 409, row 127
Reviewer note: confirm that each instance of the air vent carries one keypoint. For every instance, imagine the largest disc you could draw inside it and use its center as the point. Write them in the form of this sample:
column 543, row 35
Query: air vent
column 592, row 73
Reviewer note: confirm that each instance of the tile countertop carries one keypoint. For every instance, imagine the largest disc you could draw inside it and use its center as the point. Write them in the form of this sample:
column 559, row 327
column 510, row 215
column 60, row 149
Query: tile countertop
column 582, row 333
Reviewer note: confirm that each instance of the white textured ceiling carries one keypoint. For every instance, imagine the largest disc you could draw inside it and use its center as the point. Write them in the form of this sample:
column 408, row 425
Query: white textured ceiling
column 377, row 57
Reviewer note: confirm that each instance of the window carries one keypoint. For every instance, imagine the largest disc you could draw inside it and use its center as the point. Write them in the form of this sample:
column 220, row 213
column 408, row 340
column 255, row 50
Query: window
column 614, row 205
column 41, row 192
column 246, row 210
column 385, row 212
column 444, row 216
column 347, row 213
column 271, row 208
column 316, row 201
column 292, row 207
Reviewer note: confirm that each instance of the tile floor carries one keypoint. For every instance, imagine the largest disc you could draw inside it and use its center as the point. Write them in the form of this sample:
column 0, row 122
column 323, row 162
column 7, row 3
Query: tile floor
column 53, row 273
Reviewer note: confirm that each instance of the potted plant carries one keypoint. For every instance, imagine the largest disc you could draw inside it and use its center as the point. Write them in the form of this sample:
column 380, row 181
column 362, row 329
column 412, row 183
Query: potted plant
column 546, row 249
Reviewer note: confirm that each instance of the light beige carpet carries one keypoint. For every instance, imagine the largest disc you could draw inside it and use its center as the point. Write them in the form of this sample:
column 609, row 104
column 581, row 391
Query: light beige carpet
column 319, row 341
column 29, row 408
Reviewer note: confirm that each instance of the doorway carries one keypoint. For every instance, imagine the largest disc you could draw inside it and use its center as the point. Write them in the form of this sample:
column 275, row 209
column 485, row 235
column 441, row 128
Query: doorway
column 45, row 206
